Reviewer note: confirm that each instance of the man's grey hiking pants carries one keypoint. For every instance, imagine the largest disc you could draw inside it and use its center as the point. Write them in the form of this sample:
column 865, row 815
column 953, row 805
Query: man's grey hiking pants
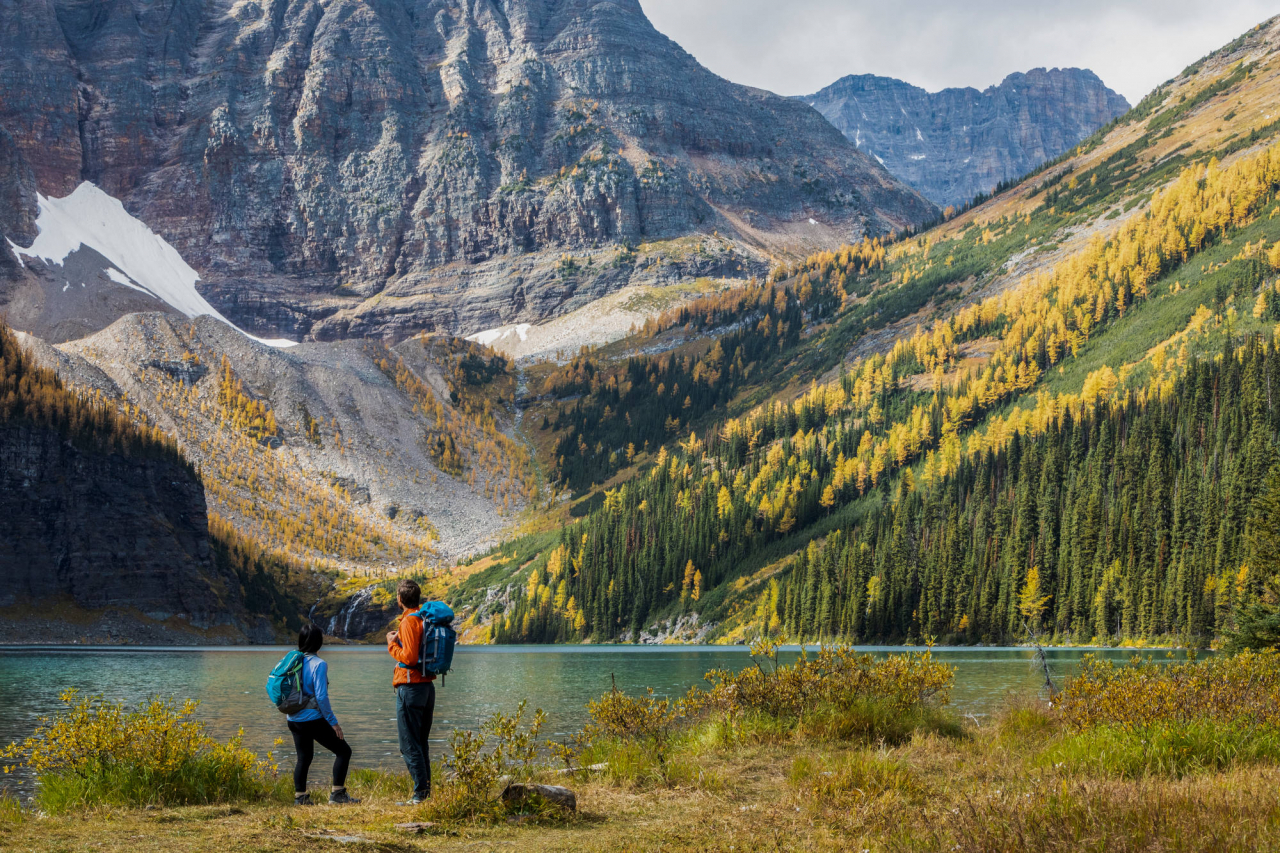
column 415, row 705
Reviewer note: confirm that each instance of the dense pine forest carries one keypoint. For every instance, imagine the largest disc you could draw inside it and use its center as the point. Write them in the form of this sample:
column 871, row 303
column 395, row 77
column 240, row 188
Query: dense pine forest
column 1128, row 521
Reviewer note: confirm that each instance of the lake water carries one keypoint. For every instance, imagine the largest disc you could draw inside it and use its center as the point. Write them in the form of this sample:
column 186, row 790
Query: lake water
column 558, row 679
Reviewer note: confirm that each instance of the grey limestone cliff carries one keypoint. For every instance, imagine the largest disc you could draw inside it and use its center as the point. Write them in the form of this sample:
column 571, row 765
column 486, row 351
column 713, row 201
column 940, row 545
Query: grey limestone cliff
column 380, row 167
column 952, row 145
column 109, row 535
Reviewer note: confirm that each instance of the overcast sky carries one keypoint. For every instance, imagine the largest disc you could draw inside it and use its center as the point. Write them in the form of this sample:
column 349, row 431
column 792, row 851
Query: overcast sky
column 796, row 47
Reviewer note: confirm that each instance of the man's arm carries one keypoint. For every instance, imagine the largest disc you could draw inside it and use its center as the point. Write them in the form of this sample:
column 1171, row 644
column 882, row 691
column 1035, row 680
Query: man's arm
column 403, row 644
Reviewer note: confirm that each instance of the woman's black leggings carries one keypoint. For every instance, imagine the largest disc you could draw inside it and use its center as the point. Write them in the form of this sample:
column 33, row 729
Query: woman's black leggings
column 305, row 737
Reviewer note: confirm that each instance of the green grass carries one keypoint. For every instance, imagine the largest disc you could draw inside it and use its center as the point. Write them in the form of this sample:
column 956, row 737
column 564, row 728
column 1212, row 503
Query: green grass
column 864, row 775
column 10, row 810
column 1167, row 749
column 202, row 780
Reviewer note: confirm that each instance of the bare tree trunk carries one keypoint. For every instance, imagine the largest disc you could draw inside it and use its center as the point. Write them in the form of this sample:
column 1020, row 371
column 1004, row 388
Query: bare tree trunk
column 1042, row 661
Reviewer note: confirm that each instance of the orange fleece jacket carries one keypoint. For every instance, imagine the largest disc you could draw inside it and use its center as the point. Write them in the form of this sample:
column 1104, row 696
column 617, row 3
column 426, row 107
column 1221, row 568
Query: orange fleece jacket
column 405, row 651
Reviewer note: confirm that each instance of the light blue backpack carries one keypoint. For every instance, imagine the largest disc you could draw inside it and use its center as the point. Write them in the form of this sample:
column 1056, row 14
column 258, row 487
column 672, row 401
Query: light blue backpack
column 284, row 685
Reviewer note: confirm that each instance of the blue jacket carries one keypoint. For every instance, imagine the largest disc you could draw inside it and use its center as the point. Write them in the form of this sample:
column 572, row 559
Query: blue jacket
column 315, row 682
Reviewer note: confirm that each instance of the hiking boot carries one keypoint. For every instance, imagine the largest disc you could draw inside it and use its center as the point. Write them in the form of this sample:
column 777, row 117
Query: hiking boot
column 341, row 798
column 302, row 799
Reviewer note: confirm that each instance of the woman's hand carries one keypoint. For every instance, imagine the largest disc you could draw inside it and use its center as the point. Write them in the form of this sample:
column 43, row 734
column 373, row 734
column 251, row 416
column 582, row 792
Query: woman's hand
column 338, row 731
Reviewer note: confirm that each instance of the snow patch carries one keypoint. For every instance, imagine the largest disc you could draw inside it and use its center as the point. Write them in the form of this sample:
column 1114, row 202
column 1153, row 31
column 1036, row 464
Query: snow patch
column 491, row 336
column 17, row 252
column 918, row 156
column 141, row 258
column 919, row 136
column 878, row 160
column 813, row 221
column 120, row 278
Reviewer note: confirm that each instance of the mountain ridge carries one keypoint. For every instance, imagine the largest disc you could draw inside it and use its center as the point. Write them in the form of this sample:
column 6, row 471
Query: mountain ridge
column 932, row 139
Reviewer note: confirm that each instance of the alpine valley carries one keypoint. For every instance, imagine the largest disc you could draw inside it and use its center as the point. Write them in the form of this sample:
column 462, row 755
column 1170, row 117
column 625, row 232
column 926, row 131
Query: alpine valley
column 516, row 298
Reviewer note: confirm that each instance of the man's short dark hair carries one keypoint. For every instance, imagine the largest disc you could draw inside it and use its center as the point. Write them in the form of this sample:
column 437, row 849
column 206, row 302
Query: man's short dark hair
column 310, row 639
column 410, row 593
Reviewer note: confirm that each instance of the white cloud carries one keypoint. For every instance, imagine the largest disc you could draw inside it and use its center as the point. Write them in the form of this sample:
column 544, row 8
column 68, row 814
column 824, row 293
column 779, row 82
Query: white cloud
column 799, row 46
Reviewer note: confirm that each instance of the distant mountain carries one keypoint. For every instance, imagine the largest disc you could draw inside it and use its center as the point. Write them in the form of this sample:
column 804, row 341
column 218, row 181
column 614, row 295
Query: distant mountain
column 952, row 145
column 347, row 168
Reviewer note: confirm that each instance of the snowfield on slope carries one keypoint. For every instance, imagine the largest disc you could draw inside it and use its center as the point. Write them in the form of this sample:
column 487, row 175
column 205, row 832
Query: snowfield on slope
column 142, row 259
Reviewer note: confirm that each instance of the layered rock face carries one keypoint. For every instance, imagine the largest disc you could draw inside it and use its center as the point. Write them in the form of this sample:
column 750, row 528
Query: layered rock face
column 952, row 145
column 17, row 202
column 101, row 531
column 376, row 167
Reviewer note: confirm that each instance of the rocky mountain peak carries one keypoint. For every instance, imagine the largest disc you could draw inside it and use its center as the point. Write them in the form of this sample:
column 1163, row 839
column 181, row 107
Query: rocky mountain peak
column 376, row 168
column 956, row 143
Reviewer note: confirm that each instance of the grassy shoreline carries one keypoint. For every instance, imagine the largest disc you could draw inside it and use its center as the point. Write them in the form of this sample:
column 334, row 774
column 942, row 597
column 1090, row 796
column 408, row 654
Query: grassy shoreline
column 983, row 791
column 837, row 752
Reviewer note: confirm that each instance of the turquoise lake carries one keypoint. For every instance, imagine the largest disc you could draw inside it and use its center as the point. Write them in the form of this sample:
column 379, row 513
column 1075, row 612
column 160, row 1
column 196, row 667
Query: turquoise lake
column 559, row 679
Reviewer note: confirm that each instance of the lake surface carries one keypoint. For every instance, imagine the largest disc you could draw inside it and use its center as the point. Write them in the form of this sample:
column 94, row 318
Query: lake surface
column 559, row 679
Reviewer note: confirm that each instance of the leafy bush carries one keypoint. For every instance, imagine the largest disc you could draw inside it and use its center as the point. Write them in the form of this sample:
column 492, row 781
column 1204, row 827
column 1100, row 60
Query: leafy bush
column 837, row 695
column 478, row 761
column 644, row 719
column 1243, row 688
column 97, row 752
column 838, row 691
column 1170, row 719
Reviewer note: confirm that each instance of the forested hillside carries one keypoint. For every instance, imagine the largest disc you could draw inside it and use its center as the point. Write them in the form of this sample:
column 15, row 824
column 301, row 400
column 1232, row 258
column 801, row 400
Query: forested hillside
column 1050, row 413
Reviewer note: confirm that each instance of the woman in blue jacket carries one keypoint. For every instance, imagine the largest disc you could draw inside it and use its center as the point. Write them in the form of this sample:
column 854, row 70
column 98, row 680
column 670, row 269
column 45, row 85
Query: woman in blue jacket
column 317, row 724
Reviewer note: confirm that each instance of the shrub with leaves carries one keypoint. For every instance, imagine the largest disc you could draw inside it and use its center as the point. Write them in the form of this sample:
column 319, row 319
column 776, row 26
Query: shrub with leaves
column 1243, row 688
column 647, row 719
column 836, row 676
column 477, row 761
column 1170, row 719
column 99, row 752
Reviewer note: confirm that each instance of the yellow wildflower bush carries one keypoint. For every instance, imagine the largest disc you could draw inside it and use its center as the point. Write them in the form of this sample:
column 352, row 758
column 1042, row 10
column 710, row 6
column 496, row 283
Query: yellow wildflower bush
column 836, row 695
column 837, row 676
column 100, row 752
column 1242, row 688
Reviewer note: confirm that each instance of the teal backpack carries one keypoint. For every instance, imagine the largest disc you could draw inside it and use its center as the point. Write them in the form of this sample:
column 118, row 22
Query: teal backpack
column 284, row 685
column 435, row 655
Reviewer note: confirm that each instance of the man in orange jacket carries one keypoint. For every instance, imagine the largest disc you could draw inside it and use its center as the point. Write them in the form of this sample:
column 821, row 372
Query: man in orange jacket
column 415, row 694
